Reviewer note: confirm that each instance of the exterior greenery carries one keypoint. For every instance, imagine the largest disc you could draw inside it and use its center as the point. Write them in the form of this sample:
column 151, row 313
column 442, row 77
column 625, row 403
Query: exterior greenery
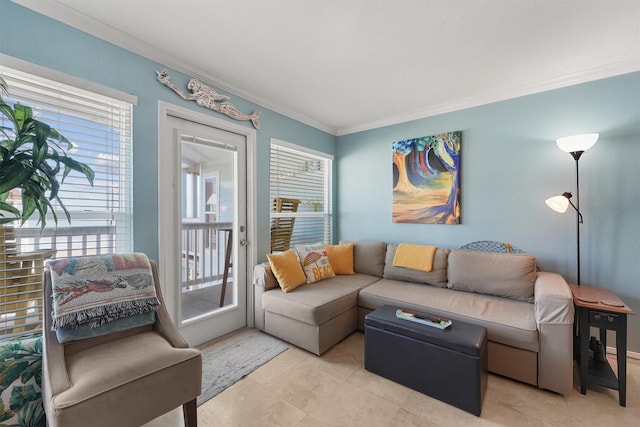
column 32, row 156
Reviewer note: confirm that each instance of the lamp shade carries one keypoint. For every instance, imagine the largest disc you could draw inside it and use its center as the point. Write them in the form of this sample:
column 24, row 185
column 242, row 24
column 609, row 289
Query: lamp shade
column 558, row 203
column 575, row 143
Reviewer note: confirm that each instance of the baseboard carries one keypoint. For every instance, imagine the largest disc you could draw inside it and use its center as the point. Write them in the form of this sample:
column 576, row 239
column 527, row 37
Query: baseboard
column 630, row 354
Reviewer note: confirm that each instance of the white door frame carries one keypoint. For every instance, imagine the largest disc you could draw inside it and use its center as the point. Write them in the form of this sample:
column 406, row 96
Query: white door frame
column 164, row 223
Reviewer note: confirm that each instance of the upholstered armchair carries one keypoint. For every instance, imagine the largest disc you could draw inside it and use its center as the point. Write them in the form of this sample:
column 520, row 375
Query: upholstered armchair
column 123, row 378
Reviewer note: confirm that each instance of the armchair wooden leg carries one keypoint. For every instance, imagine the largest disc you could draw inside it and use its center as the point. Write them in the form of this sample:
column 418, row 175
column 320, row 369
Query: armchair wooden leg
column 190, row 412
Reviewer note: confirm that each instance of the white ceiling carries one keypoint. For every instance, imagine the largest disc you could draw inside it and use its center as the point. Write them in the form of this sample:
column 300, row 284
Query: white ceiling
column 350, row 65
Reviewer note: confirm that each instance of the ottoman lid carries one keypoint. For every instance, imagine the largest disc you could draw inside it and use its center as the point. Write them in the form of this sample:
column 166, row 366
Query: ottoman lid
column 460, row 336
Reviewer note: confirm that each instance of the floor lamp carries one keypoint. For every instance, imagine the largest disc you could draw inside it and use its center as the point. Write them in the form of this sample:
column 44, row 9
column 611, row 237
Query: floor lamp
column 574, row 145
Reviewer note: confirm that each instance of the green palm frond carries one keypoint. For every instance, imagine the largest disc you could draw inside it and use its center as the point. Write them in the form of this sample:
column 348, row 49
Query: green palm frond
column 31, row 158
column 20, row 363
column 20, row 360
column 5, row 413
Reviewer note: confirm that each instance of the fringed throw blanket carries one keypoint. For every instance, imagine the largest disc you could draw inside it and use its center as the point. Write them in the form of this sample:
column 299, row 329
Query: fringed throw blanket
column 95, row 290
column 415, row 257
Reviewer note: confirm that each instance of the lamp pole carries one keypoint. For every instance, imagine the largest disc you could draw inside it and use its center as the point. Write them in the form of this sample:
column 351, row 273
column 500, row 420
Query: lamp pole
column 576, row 155
column 575, row 145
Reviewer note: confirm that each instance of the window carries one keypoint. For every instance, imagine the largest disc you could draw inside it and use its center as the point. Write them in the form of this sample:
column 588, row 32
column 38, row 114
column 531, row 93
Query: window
column 300, row 196
column 99, row 127
column 191, row 198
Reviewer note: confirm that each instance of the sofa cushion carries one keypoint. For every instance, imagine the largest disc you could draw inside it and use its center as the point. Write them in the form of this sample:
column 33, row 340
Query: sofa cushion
column 287, row 269
column 315, row 262
column 505, row 275
column 368, row 257
column 320, row 302
column 508, row 321
column 341, row 258
column 436, row 277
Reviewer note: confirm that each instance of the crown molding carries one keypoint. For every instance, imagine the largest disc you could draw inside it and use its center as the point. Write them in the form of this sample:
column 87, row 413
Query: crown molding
column 606, row 71
column 73, row 18
column 62, row 13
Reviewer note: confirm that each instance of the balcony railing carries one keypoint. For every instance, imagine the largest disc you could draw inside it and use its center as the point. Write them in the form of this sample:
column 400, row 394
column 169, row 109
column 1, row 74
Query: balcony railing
column 23, row 252
column 204, row 250
column 204, row 246
column 68, row 241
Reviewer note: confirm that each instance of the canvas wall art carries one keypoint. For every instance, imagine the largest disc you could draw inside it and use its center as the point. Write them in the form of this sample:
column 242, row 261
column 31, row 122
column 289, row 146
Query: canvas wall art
column 426, row 179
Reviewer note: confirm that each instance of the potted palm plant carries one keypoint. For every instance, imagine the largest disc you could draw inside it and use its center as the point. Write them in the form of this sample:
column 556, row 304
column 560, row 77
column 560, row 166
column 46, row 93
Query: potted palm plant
column 33, row 159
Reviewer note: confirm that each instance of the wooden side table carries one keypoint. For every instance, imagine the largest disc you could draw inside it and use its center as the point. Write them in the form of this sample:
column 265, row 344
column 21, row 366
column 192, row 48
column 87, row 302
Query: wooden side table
column 602, row 309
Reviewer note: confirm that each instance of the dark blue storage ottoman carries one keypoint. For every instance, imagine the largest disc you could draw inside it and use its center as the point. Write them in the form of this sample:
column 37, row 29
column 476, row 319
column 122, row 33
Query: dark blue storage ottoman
column 449, row 365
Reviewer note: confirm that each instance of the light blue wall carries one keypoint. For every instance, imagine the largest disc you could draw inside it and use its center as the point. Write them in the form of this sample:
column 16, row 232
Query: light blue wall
column 510, row 165
column 35, row 38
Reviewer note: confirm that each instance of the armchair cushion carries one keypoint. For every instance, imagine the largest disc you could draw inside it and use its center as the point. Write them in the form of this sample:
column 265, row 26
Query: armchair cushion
column 119, row 370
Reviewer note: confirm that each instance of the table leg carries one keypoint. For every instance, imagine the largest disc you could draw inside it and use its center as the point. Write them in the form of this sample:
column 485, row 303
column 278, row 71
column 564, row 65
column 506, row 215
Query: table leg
column 603, row 338
column 584, row 349
column 621, row 353
column 576, row 336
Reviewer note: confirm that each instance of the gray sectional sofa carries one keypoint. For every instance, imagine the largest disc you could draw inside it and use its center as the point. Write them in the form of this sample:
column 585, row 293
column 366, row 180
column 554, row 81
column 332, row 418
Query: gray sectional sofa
column 528, row 313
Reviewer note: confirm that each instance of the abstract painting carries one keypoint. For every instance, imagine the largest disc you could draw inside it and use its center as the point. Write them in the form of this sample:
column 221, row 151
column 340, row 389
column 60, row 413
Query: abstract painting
column 426, row 179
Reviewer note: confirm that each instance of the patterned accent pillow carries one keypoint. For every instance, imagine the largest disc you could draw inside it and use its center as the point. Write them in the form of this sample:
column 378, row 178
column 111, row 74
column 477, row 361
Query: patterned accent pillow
column 20, row 382
column 315, row 262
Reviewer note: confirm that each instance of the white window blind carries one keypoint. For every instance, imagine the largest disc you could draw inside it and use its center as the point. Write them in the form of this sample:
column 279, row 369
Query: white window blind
column 100, row 129
column 302, row 179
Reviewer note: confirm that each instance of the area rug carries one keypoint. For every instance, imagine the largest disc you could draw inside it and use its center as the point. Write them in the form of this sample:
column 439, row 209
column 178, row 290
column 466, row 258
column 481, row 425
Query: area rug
column 235, row 357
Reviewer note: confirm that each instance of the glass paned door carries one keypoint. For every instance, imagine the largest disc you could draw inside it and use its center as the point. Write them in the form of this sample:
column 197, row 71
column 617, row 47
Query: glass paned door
column 206, row 240
column 208, row 255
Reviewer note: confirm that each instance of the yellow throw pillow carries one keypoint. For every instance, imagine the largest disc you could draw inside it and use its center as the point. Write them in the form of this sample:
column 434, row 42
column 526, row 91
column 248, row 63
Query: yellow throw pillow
column 287, row 269
column 315, row 262
column 341, row 258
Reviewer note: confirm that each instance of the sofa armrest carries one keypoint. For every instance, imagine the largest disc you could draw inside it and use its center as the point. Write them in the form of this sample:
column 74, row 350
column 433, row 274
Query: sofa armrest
column 263, row 277
column 263, row 280
column 554, row 318
column 553, row 300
